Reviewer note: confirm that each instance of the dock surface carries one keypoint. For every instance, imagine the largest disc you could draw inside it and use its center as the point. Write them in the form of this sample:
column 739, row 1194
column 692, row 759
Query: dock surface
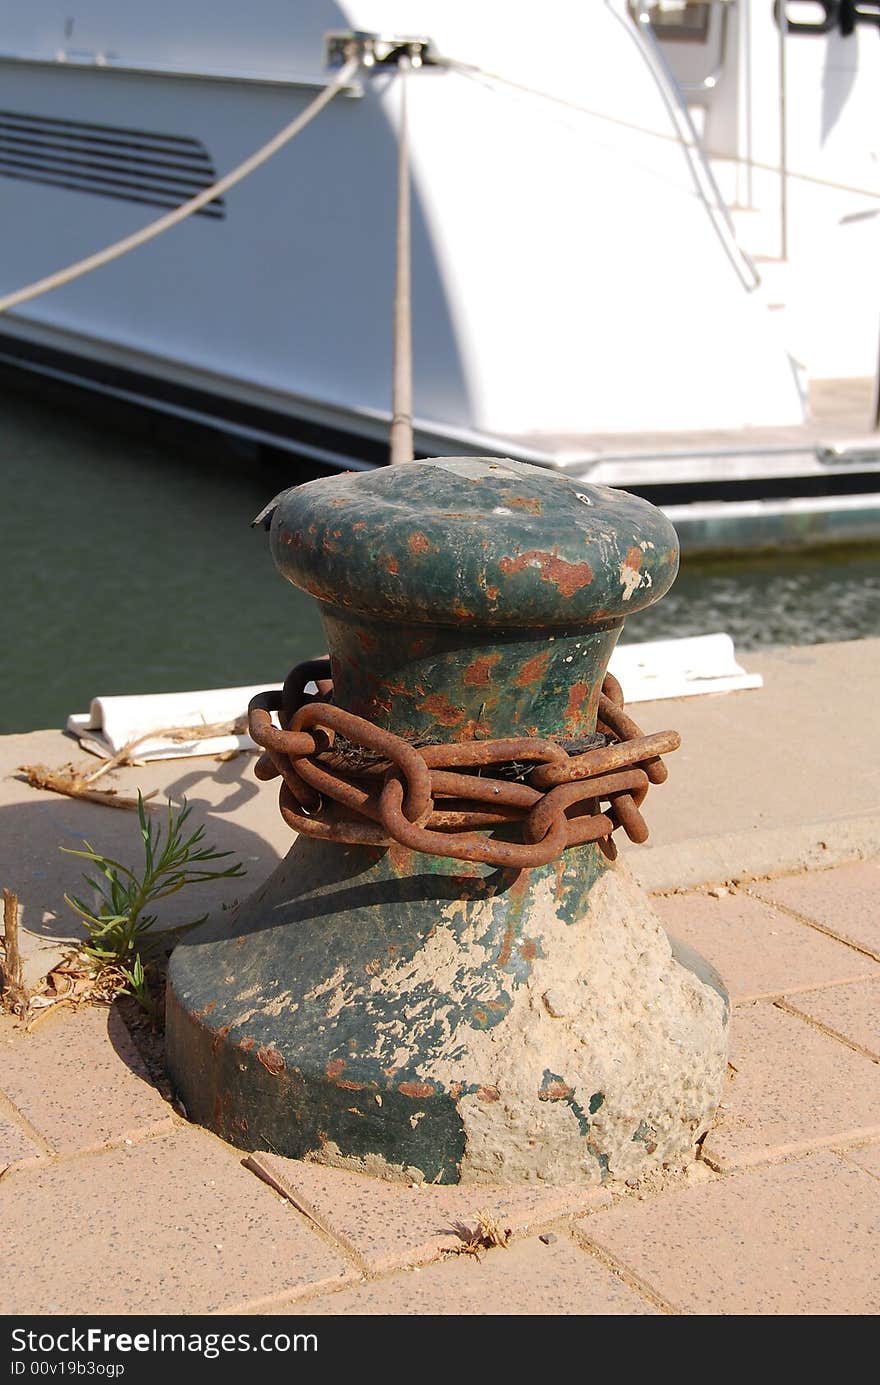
column 839, row 413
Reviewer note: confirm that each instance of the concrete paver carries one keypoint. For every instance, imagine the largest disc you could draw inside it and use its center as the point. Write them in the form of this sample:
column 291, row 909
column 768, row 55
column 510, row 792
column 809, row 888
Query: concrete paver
column 174, row 1225
column 390, row 1224
column 852, row 1011
column 794, row 1089
column 792, row 1239
column 758, row 950
column 845, row 900
column 80, row 1081
column 527, row 1277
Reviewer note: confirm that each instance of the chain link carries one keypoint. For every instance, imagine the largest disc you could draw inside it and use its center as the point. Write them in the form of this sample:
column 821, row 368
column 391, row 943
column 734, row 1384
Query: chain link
column 345, row 779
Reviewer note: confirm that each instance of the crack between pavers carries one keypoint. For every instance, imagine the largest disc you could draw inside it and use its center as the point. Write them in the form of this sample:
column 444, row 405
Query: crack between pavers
column 337, row 1239
column 306, row 1293
column 559, row 1221
column 823, row 928
column 790, row 1154
column 311, row 1292
column 55, row 1157
column 823, row 1028
column 9, row 1111
column 849, row 1156
column 622, row 1271
column 782, row 991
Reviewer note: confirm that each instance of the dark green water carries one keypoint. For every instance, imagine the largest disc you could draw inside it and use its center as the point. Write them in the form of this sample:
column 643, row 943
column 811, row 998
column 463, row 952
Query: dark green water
column 129, row 566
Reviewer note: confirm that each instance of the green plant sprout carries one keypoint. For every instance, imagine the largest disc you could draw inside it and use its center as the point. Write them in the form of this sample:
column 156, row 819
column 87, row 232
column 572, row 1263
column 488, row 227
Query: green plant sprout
column 139, row 986
column 120, row 930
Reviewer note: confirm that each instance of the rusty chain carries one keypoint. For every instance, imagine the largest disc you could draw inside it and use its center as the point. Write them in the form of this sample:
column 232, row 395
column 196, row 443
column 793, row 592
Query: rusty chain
column 345, row 779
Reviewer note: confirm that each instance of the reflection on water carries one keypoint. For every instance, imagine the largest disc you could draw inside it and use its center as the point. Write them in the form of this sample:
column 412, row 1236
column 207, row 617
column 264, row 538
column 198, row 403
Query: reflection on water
column 771, row 598
column 129, row 566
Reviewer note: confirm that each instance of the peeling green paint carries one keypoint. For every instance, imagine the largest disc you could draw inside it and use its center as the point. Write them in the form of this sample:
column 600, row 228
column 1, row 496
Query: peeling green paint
column 555, row 1088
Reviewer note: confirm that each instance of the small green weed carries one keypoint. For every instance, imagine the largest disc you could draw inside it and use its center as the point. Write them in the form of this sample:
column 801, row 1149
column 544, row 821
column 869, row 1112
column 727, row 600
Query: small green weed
column 121, row 935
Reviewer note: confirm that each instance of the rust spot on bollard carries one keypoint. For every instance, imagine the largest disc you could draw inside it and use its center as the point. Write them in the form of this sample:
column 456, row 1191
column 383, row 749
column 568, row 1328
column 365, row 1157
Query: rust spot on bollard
column 479, row 672
column 506, row 947
column 419, row 1090
column 531, row 503
column 533, row 670
column 442, row 710
column 630, row 572
column 271, row 1060
column 578, row 694
column 419, row 543
column 566, row 577
column 556, row 1091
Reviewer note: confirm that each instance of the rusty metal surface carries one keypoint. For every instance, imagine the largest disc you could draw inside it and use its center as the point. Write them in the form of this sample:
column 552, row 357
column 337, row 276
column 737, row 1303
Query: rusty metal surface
column 380, row 789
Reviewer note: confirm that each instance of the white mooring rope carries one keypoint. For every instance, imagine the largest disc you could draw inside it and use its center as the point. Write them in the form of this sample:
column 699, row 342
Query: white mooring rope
column 401, row 435
column 164, row 223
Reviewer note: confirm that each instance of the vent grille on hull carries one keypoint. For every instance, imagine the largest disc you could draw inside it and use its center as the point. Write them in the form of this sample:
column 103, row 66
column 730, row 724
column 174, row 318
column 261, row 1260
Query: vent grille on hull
column 131, row 165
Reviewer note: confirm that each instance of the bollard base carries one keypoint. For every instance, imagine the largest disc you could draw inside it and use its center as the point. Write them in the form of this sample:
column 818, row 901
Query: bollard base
column 423, row 1019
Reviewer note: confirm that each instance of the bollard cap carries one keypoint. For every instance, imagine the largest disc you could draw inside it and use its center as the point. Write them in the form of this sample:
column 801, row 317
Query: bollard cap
column 476, row 540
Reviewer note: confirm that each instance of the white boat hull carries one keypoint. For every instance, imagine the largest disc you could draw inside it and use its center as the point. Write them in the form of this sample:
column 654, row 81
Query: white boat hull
column 566, row 277
column 577, row 298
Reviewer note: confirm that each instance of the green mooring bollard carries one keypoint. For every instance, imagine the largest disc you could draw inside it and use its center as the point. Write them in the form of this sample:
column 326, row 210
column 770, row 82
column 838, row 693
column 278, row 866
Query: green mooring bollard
column 380, row 1007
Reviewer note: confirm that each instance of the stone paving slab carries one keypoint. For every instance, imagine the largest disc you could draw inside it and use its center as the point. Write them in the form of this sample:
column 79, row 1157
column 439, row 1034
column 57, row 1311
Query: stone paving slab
column 797, row 1238
column 846, row 901
column 80, row 1081
column 850, row 1011
column 526, row 1278
column 173, row 1225
column 758, row 950
column 794, row 1090
column 388, row 1225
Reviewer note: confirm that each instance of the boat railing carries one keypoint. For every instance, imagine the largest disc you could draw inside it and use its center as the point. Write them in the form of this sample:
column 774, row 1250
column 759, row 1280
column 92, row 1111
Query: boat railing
column 673, row 97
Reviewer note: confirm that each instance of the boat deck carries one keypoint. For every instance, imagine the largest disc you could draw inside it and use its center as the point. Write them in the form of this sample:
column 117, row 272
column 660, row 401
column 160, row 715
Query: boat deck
column 840, row 420
column 734, row 489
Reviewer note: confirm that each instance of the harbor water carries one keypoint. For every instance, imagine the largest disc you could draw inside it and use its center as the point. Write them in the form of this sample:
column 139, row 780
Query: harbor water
column 129, row 566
